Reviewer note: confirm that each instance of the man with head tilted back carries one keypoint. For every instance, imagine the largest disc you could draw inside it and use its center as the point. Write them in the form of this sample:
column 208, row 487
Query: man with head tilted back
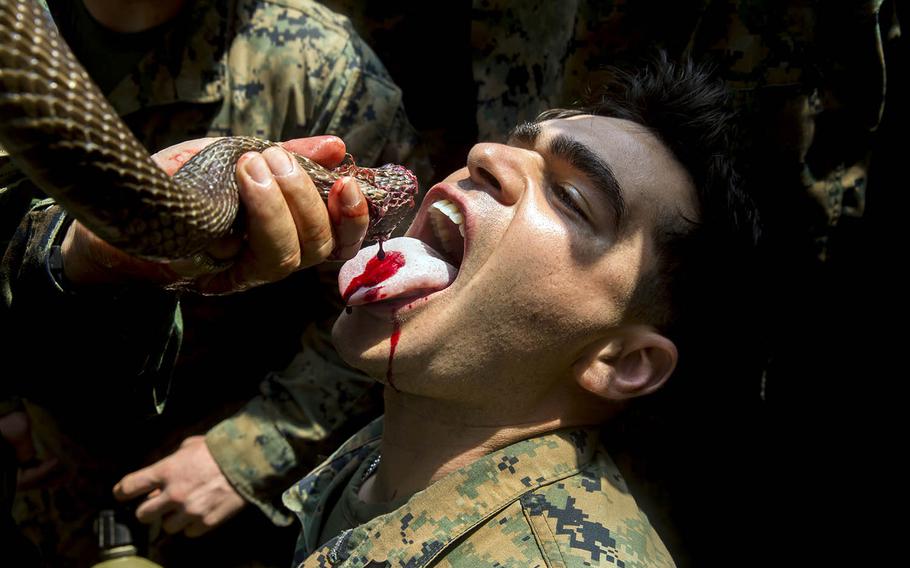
column 539, row 290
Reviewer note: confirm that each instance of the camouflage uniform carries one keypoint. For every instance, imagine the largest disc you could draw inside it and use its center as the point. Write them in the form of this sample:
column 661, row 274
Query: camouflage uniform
column 553, row 500
column 271, row 69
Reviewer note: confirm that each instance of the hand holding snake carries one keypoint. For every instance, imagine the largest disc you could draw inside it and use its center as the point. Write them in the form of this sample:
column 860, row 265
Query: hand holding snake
column 287, row 227
column 64, row 135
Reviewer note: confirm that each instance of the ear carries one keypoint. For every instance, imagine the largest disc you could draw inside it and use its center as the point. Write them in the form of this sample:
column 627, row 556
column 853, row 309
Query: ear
column 634, row 361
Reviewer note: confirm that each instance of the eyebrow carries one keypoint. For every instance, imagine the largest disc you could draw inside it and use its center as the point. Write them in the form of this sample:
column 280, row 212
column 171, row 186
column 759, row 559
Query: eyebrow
column 579, row 157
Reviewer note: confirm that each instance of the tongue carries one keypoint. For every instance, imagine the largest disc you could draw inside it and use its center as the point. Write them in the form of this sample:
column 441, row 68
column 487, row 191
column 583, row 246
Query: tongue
column 409, row 268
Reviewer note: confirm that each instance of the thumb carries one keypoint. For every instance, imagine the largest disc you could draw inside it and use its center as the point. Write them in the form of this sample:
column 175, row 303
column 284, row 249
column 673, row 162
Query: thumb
column 327, row 151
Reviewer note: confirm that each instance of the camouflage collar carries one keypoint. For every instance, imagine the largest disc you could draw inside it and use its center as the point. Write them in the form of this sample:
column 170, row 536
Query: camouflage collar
column 432, row 519
column 188, row 66
column 307, row 498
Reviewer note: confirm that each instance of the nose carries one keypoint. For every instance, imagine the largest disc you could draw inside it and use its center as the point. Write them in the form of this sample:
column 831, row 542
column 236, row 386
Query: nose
column 501, row 170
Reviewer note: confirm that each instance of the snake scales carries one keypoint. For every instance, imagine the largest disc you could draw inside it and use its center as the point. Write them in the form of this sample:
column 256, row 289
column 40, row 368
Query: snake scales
column 62, row 132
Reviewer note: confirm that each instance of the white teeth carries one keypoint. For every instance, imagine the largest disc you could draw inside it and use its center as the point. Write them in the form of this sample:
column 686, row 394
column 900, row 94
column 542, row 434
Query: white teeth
column 454, row 214
column 451, row 211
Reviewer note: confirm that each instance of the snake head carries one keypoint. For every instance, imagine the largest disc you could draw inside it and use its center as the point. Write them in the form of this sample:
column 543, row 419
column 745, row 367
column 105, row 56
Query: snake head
column 390, row 191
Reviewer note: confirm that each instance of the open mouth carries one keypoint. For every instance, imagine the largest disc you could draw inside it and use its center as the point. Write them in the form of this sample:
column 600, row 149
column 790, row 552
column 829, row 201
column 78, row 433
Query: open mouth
column 447, row 236
column 413, row 266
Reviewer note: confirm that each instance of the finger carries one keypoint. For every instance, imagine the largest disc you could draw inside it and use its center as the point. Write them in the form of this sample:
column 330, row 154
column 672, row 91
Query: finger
column 350, row 217
column 138, row 483
column 210, row 520
column 273, row 248
column 175, row 521
column 173, row 157
column 327, row 151
column 226, row 247
column 153, row 509
column 310, row 215
column 197, row 529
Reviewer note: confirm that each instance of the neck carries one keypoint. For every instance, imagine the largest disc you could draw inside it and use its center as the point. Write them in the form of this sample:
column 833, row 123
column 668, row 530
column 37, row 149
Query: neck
column 132, row 16
column 424, row 440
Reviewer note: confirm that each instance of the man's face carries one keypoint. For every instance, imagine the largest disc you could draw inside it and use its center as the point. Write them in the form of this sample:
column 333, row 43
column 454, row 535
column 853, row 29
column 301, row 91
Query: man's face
column 547, row 264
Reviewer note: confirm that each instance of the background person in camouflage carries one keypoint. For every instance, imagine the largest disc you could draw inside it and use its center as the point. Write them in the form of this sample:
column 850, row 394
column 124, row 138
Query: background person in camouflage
column 176, row 70
column 799, row 67
column 595, row 241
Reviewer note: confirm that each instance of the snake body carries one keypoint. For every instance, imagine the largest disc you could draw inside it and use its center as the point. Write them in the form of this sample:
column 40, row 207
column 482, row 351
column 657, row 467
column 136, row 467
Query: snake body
column 61, row 131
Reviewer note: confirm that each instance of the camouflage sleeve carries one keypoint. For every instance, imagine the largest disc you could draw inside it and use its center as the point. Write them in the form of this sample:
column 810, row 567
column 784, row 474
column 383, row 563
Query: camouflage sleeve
column 363, row 106
column 126, row 340
column 518, row 62
column 301, row 415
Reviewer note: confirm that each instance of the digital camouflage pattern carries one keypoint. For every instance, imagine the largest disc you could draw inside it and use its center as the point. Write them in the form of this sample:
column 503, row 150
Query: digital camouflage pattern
column 272, row 69
column 299, row 416
column 553, row 500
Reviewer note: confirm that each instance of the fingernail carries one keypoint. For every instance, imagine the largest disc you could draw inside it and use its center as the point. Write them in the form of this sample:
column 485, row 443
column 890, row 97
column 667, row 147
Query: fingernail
column 257, row 169
column 279, row 161
column 350, row 194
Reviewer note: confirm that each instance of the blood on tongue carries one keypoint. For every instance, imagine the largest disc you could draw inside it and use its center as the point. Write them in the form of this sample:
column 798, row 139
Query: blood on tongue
column 377, row 270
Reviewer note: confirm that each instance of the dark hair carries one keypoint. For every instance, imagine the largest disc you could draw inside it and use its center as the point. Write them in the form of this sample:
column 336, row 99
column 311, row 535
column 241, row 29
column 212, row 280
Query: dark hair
column 686, row 108
column 704, row 294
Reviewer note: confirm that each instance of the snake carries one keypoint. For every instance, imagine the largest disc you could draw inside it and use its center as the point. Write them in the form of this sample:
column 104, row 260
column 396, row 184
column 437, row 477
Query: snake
column 64, row 135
